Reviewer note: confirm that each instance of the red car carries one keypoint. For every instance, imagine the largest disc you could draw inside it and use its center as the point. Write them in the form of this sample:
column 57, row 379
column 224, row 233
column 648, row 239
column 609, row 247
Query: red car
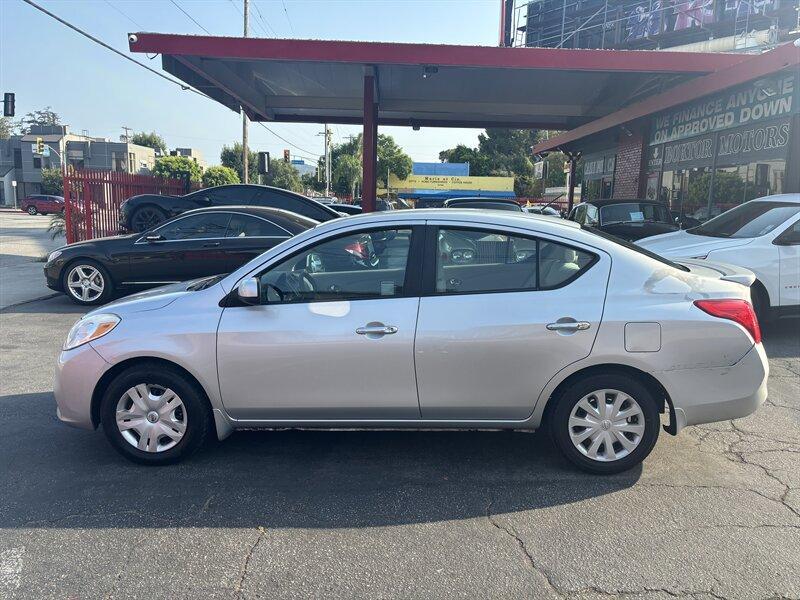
column 41, row 204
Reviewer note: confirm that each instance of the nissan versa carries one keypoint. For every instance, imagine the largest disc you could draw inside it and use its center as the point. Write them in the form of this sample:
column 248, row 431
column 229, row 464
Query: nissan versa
column 423, row 319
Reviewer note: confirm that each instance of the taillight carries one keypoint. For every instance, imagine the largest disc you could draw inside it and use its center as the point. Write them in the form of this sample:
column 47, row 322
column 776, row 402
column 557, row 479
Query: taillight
column 739, row 311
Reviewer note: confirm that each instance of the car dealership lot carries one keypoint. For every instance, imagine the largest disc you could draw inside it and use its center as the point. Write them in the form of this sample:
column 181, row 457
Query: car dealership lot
column 714, row 512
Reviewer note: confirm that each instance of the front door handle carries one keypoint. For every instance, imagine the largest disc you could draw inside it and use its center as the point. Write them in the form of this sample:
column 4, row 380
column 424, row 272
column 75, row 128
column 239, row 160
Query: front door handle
column 376, row 330
column 211, row 245
column 569, row 326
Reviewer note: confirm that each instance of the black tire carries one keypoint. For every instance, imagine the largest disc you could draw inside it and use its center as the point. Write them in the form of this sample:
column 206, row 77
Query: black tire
column 146, row 217
column 108, row 283
column 31, row 210
column 560, row 430
column 198, row 413
column 760, row 304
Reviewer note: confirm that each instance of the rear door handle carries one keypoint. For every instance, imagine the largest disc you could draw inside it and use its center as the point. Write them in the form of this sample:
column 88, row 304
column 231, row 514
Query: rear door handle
column 376, row 330
column 211, row 245
column 569, row 326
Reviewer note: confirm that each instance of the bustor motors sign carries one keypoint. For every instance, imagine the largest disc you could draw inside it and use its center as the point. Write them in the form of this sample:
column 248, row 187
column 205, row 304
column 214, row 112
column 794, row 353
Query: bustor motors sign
column 757, row 101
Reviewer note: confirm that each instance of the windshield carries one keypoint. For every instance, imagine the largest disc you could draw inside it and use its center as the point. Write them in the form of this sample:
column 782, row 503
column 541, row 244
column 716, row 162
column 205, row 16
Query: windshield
column 748, row 220
column 634, row 247
column 634, row 212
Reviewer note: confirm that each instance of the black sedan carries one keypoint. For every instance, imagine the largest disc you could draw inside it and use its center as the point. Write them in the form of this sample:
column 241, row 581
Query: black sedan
column 628, row 219
column 140, row 213
column 202, row 242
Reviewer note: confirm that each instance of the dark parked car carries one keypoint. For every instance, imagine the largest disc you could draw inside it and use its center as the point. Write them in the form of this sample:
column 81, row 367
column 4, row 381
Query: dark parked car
column 143, row 212
column 198, row 243
column 492, row 203
column 42, row 204
column 627, row 219
column 348, row 209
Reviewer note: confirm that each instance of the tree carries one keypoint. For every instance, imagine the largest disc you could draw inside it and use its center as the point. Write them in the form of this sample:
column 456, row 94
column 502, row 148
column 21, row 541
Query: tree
column 177, row 167
column 284, row 175
column 232, row 157
column 7, row 128
column 45, row 116
column 348, row 170
column 52, row 182
column 310, row 182
column 150, row 140
column 214, row 176
column 390, row 158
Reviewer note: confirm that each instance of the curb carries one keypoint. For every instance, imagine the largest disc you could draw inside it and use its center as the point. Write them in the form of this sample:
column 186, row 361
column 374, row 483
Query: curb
column 47, row 297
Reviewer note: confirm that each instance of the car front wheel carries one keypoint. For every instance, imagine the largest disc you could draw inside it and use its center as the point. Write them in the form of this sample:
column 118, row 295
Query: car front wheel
column 86, row 282
column 32, row 210
column 605, row 423
column 154, row 415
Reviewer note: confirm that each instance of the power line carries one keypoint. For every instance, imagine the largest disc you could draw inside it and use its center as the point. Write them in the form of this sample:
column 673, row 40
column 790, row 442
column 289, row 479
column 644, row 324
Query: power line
column 263, row 20
column 284, row 139
column 124, row 14
column 180, row 8
column 107, row 47
column 288, row 20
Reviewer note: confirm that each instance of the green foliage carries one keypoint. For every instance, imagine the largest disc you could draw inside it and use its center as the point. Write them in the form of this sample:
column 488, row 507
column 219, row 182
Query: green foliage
column 729, row 188
column 150, row 140
column 52, row 182
column 391, row 157
column 177, row 167
column 348, row 171
column 45, row 116
column 284, row 175
column 7, row 128
column 310, row 182
column 214, row 176
column 231, row 157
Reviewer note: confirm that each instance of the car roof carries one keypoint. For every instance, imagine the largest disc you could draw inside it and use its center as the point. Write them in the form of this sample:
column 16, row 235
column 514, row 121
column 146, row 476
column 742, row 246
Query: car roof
column 793, row 198
column 294, row 222
column 609, row 201
column 482, row 199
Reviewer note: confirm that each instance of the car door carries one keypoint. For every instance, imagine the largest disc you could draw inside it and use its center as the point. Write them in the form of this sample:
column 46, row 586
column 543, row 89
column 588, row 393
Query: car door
column 248, row 236
column 502, row 312
column 332, row 337
column 788, row 243
column 185, row 248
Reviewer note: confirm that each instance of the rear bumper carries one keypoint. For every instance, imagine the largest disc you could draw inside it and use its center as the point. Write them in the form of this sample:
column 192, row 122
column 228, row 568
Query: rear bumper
column 77, row 373
column 718, row 394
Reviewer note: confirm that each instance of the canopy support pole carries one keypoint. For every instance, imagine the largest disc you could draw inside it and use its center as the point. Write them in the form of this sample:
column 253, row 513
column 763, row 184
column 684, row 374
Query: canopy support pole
column 370, row 149
column 573, row 163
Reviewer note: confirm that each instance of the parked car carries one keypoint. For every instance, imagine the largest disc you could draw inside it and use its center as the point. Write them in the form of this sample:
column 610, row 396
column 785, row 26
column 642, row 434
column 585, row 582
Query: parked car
column 538, row 209
column 348, row 209
column 201, row 242
column 490, row 203
column 145, row 211
column 357, row 323
column 42, row 204
column 628, row 219
column 762, row 235
column 429, row 203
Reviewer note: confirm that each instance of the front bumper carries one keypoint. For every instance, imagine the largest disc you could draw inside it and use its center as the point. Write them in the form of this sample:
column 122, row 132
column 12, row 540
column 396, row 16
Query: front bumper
column 718, row 394
column 77, row 374
column 52, row 276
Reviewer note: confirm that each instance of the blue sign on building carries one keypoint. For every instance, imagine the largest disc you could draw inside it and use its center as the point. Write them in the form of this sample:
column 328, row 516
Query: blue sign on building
column 439, row 168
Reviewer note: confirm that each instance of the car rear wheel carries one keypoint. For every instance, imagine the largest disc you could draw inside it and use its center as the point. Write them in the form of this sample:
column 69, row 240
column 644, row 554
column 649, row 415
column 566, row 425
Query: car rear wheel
column 154, row 415
column 147, row 217
column 605, row 423
column 32, row 210
column 86, row 282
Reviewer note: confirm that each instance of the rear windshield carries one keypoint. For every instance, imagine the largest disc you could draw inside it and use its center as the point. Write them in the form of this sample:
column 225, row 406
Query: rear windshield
column 634, row 212
column 748, row 220
column 634, row 247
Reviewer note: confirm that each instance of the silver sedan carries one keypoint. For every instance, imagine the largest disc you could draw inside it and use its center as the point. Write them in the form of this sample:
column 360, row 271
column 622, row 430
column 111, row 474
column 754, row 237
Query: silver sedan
column 425, row 319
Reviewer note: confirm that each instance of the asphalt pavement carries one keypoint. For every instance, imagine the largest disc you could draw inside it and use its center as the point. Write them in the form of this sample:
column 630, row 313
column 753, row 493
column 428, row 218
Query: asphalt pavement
column 713, row 513
column 24, row 242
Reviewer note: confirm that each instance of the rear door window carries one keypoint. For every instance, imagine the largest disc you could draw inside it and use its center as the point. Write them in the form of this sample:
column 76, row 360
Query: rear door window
column 248, row 226
column 211, row 225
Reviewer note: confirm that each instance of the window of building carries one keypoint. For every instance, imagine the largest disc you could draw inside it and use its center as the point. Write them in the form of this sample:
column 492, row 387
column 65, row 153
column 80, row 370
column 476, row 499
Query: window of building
column 37, row 162
column 17, row 158
column 118, row 162
column 737, row 184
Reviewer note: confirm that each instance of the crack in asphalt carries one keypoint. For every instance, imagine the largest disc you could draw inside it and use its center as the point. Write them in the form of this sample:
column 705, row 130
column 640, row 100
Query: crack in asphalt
column 237, row 593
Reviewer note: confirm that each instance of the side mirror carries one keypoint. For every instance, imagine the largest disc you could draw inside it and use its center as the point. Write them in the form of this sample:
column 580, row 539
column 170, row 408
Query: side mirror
column 204, row 200
column 248, row 291
column 156, row 237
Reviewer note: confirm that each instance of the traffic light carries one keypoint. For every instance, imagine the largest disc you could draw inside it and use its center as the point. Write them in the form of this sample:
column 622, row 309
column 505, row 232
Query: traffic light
column 263, row 163
column 286, row 155
column 8, row 104
column 39, row 145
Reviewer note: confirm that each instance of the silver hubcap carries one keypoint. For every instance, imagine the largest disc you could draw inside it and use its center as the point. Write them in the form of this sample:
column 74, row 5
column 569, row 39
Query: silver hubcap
column 151, row 418
column 85, row 283
column 606, row 425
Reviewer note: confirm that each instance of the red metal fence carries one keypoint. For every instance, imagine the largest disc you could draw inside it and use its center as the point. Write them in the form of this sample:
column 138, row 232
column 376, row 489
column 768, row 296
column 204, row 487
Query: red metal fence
column 92, row 199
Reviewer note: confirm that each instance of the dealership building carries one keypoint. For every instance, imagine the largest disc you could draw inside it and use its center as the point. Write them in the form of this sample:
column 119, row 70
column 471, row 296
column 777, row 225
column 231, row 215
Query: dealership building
column 702, row 146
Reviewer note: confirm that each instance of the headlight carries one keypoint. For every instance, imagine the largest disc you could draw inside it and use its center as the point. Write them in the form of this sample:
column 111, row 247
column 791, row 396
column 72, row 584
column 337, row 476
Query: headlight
column 53, row 255
column 90, row 328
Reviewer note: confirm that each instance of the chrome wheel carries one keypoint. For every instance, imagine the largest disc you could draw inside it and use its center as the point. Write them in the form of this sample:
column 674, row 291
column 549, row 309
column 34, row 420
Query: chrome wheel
column 145, row 218
column 606, row 425
column 151, row 418
column 86, row 283
column 32, row 210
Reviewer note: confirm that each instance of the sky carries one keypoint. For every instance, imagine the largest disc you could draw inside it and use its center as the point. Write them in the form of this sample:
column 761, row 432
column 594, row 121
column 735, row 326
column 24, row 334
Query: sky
column 46, row 64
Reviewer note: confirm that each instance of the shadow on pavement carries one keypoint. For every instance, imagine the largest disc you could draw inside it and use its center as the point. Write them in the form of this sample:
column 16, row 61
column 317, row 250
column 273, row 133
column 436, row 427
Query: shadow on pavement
column 58, row 477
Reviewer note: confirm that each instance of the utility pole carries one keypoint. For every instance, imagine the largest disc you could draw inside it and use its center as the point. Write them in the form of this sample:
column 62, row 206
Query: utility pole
column 327, row 133
column 245, row 156
column 127, row 135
